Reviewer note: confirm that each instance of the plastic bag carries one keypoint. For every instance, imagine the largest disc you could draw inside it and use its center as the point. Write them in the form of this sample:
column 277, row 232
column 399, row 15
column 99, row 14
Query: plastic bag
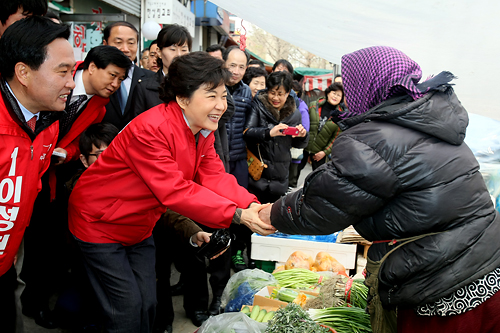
column 242, row 286
column 483, row 138
column 235, row 322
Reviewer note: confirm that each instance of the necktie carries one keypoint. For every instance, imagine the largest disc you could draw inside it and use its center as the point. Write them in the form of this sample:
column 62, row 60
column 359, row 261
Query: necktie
column 72, row 110
column 122, row 97
column 32, row 123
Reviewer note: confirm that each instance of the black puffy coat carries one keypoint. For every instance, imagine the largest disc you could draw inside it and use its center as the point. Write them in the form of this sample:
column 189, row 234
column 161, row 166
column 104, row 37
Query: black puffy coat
column 242, row 96
column 398, row 171
column 275, row 151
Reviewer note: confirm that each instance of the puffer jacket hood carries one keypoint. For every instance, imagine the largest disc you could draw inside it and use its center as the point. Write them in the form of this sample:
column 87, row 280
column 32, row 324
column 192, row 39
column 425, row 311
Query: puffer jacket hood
column 439, row 114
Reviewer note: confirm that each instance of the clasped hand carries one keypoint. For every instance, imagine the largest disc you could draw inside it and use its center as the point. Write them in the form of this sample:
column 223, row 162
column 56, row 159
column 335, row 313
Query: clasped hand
column 250, row 218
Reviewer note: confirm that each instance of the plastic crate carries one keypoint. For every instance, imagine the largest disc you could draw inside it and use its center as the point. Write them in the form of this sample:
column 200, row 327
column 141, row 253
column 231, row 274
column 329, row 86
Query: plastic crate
column 279, row 249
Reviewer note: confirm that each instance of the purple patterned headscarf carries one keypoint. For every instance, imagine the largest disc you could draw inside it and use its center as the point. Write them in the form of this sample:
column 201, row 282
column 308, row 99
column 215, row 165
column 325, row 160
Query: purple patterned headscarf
column 375, row 74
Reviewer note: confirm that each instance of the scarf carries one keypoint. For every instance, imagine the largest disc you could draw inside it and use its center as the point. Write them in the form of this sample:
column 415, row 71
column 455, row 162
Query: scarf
column 375, row 74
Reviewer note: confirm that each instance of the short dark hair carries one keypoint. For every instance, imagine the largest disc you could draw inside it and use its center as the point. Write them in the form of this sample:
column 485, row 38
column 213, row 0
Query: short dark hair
column 107, row 31
column 335, row 86
column 174, row 34
column 336, row 76
column 153, row 43
column 297, row 87
column 216, row 47
column 257, row 62
column 97, row 135
column 285, row 63
column 188, row 72
column 51, row 15
column 225, row 55
column 279, row 79
column 26, row 41
column 32, row 7
column 104, row 55
column 252, row 72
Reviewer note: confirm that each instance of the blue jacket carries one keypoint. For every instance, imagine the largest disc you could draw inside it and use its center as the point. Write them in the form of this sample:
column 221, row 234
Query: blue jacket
column 242, row 97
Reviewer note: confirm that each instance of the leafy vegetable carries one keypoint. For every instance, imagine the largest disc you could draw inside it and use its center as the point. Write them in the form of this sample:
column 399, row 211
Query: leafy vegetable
column 291, row 319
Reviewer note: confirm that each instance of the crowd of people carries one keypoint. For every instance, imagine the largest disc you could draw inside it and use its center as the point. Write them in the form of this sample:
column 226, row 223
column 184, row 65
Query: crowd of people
column 113, row 172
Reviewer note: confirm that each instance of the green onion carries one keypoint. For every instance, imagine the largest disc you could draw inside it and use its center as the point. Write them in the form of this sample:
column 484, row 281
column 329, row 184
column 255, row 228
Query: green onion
column 297, row 278
column 343, row 319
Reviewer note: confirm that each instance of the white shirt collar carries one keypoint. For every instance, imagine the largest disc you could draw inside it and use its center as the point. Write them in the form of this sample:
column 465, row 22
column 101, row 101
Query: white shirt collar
column 79, row 87
column 203, row 132
column 26, row 113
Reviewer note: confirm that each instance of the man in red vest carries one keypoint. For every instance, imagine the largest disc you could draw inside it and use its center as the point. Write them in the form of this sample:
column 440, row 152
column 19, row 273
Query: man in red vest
column 99, row 76
column 36, row 62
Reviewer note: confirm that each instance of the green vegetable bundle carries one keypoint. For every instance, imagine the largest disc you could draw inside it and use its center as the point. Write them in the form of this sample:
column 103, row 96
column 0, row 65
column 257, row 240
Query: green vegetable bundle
column 297, row 278
column 292, row 319
column 343, row 319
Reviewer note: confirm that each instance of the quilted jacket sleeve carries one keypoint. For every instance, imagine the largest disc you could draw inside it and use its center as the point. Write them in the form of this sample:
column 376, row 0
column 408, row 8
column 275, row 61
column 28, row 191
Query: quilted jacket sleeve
column 355, row 184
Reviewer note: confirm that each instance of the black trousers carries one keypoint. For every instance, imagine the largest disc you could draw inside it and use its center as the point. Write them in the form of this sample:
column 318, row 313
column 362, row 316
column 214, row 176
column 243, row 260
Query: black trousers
column 124, row 281
column 8, row 284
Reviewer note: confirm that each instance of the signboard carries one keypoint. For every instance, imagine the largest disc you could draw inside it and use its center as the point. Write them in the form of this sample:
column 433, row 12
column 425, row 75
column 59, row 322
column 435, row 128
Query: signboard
column 169, row 12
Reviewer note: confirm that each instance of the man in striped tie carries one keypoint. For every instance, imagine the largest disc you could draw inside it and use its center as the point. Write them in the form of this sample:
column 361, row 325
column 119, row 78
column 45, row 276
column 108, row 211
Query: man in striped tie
column 36, row 62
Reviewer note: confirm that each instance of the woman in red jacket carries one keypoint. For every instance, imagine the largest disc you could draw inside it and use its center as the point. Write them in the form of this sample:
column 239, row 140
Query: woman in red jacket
column 164, row 158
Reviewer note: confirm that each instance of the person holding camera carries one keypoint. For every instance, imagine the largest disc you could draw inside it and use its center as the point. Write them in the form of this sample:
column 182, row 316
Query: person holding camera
column 273, row 127
column 163, row 158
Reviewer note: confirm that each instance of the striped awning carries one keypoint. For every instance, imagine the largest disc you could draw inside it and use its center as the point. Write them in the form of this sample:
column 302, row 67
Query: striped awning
column 320, row 82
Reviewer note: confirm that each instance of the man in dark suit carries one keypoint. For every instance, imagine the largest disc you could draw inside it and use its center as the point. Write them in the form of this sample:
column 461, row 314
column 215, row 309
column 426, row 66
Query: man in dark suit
column 123, row 36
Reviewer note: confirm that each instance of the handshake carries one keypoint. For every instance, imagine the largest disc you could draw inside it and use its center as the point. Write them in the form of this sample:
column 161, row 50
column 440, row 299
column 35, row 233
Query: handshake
column 257, row 218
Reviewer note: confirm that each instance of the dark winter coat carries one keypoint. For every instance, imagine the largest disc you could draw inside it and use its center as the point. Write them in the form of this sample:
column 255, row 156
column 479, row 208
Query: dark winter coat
column 398, row 171
column 242, row 96
column 113, row 112
column 275, row 151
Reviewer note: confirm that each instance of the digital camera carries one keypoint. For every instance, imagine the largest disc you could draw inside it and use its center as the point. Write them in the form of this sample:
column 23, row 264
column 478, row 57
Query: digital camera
column 219, row 241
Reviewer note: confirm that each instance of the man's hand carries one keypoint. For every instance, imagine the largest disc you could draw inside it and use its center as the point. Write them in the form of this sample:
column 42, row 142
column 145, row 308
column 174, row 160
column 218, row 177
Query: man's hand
column 204, row 237
column 265, row 214
column 250, row 218
column 318, row 156
column 201, row 237
column 60, row 160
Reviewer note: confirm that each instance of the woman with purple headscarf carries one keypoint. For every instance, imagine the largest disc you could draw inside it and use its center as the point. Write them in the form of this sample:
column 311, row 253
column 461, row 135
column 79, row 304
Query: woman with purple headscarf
column 403, row 177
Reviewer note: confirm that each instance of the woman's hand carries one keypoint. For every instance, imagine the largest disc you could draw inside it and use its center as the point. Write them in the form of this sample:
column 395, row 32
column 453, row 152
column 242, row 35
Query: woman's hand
column 250, row 218
column 302, row 131
column 318, row 156
column 265, row 214
column 276, row 130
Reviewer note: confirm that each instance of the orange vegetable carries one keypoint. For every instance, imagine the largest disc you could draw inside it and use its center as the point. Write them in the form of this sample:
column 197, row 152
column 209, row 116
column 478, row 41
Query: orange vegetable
column 325, row 262
column 299, row 259
column 279, row 268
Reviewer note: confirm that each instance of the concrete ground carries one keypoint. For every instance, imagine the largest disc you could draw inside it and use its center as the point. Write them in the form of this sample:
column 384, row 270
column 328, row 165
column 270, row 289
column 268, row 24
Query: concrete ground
column 182, row 324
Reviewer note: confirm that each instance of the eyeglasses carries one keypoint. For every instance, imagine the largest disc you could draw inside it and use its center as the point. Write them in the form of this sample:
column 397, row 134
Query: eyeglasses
column 338, row 94
column 97, row 153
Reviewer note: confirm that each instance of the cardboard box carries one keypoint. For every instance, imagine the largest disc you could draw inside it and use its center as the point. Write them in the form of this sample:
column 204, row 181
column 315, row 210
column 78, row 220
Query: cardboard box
column 279, row 249
column 261, row 299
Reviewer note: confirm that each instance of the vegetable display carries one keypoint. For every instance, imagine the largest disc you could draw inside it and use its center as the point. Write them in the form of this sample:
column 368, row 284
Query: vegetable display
column 343, row 319
column 291, row 319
